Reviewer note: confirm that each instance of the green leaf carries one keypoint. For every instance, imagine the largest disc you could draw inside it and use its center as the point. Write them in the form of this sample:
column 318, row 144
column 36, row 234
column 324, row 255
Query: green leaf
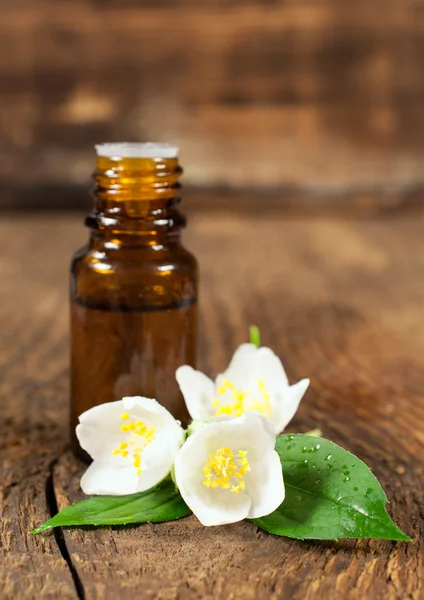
column 255, row 336
column 159, row 504
column 330, row 494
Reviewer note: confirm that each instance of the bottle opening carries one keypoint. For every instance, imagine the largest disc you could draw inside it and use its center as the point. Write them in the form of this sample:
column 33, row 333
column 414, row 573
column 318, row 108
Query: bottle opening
column 137, row 150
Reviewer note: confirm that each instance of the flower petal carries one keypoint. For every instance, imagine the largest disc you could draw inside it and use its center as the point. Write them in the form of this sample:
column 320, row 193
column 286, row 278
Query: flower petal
column 269, row 368
column 240, row 366
column 149, row 410
column 251, row 432
column 215, row 506
column 99, row 431
column 267, row 491
column 286, row 403
column 159, row 456
column 107, row 479
column 250, row 364
column 198, row 391
column 211, row 506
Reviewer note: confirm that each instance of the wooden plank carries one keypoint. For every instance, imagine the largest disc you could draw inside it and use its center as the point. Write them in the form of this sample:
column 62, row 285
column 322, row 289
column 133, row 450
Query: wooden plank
column 339, row 300
column 285, row 31
column 299, row 13
column 33, row 395
column 128, row 5
column 321, row 96
column 290, row 201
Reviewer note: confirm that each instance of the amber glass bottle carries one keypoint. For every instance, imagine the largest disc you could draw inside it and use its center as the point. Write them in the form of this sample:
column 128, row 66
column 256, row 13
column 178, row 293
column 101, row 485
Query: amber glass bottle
column 133, row 286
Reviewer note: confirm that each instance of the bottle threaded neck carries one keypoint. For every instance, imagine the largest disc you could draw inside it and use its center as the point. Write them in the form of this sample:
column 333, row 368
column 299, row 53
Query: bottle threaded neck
column 133, row 183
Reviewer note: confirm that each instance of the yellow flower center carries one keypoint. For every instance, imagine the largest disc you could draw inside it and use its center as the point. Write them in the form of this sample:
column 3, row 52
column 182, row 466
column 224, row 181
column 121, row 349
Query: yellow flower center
column 138, row 436
column 234, row 402
column 226, row 469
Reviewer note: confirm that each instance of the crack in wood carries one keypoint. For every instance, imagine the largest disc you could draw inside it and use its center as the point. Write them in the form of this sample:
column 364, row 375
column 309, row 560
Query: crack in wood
column 58, row 533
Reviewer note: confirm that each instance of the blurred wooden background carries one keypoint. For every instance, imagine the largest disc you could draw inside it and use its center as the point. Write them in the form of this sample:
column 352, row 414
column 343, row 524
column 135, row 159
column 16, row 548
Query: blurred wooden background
column 315, row 99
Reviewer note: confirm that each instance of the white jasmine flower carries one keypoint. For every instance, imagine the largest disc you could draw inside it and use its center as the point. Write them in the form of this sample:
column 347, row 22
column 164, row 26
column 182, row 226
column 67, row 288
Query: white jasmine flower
column 229, row 471
column 255, row 381
column 133, row 443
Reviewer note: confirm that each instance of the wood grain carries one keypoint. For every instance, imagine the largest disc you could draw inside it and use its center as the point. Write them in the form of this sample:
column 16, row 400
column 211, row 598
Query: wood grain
column 339, row 300
column 320, row 96
column 33, row 391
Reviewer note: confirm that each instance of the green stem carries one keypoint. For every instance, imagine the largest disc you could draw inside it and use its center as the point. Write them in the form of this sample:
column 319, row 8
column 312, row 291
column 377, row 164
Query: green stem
column 255, row 336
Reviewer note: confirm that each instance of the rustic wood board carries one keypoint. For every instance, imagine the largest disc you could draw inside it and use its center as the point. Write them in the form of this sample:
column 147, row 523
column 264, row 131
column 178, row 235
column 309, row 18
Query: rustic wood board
column 340, row 301
column 320, row 96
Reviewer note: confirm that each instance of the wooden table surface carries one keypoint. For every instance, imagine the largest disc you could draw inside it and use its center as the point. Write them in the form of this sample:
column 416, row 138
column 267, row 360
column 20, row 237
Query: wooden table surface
column 341, row 301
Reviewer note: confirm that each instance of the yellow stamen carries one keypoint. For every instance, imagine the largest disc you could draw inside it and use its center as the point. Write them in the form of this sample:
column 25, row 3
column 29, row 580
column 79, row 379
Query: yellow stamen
column 226, row 469
column 241, row 401
column 139, row 435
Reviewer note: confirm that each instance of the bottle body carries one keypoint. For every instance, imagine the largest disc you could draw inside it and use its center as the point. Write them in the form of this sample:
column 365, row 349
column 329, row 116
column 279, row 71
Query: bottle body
column 133, row 299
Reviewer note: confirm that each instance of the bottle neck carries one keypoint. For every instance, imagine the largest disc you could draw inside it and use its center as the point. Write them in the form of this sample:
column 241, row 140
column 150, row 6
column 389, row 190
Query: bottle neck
column 136, row 196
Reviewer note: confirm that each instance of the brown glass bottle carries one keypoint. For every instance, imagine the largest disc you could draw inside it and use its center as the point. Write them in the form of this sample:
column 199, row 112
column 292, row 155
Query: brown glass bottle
column 133, row 286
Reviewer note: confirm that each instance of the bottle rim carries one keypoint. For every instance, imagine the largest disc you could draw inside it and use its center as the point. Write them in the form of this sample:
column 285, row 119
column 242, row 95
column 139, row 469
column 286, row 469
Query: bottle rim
column 117, row 150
